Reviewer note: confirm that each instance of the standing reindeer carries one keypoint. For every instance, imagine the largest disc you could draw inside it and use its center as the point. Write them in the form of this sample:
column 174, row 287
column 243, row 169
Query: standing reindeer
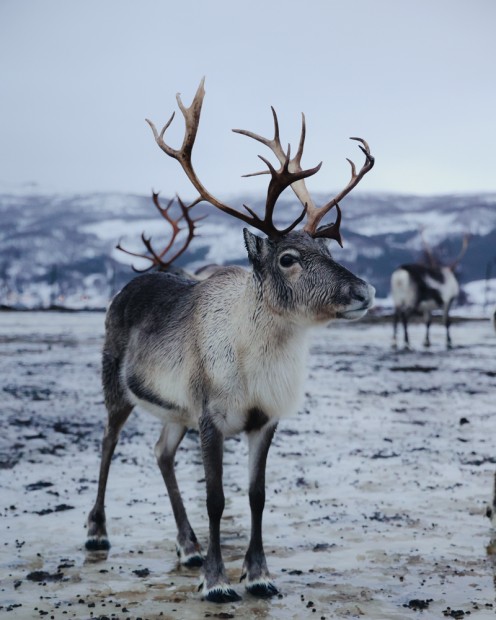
column 226, row 355
column 420, row 289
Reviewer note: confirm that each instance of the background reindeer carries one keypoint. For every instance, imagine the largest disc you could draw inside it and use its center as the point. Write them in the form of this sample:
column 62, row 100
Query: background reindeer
column 226, row 355
column 420, row 289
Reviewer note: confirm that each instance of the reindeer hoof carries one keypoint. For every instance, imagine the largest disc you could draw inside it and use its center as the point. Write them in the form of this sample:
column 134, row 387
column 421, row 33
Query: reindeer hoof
column 192, row 561
column 97, row 544
column 262, row 589
column 221, row 594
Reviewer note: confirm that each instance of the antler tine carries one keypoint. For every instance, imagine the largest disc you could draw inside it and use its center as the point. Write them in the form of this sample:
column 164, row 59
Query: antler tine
column 274, row 144
column 192, row 119
column 428, row 250
column 150, row 258
column 294, row 165
column 466, row 239
column 315, row 215
column 299, row 187
column 281, row 179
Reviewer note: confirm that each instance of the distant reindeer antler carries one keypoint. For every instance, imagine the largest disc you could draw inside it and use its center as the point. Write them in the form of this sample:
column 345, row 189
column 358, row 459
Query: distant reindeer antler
column 433, row 262
column 456, row 262
column 314, row 214
column 158, row 259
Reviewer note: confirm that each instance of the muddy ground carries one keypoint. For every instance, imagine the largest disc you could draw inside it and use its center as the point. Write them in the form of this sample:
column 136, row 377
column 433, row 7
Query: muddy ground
column 376, row 491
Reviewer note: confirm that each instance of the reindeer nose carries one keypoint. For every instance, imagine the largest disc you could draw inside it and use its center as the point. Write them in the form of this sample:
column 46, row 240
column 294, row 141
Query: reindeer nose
column 358, row 297
column 364, row 294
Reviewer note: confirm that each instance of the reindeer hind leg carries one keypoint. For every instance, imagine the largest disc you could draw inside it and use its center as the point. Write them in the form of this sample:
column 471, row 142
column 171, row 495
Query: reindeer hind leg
column 404, row 319
column 395, row 328
column 118, row 409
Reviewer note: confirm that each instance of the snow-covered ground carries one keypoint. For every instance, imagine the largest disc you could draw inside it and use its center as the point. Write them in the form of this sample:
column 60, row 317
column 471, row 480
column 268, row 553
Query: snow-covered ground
column 376, row 491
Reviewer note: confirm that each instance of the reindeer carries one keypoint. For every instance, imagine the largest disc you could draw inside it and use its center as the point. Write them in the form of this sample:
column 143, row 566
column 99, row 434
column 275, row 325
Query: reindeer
column 226, row 355
column 420, row 289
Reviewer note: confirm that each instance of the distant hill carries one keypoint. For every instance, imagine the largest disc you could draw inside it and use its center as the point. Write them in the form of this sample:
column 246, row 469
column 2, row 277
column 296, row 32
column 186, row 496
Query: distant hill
column 59, row 250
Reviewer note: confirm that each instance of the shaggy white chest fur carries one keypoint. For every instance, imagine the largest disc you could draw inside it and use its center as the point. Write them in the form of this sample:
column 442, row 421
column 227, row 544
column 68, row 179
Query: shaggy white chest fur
column 231, row 361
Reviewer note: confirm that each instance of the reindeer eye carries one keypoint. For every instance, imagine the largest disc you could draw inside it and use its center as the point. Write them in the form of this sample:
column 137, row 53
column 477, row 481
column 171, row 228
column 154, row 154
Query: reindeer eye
column 286, row 260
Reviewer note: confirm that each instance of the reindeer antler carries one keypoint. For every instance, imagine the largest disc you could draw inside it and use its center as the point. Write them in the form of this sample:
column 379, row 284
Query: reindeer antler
column 433, row 261
column 314, row 214
column 463, row 250
column 294, row 165
column 158, row 259
column 290, row 174
column 280, row 179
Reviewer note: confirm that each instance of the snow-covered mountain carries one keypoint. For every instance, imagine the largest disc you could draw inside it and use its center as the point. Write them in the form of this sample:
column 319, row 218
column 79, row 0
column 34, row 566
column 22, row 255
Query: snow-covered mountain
column 59, row 250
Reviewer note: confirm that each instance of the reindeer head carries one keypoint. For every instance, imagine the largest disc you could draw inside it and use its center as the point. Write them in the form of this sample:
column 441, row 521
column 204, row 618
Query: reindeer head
column 294, row 269
column 300, row 281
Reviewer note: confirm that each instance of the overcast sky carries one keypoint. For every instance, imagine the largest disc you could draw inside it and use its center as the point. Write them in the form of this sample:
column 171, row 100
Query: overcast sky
column 416, row 79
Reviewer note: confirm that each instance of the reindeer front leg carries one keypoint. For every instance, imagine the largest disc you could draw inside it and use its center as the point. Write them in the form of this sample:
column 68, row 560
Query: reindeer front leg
column 255, row 570
column 216, row 587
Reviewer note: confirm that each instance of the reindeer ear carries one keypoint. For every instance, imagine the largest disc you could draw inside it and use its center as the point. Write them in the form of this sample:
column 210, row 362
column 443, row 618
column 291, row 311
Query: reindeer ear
column 256, row 247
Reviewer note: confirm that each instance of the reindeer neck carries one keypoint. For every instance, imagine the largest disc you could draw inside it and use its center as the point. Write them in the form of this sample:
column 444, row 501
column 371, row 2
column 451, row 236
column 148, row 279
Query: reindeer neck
column 270, row 326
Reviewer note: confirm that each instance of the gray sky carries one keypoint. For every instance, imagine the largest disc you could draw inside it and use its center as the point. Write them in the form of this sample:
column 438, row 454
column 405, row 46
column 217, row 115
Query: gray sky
column 416, row 79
